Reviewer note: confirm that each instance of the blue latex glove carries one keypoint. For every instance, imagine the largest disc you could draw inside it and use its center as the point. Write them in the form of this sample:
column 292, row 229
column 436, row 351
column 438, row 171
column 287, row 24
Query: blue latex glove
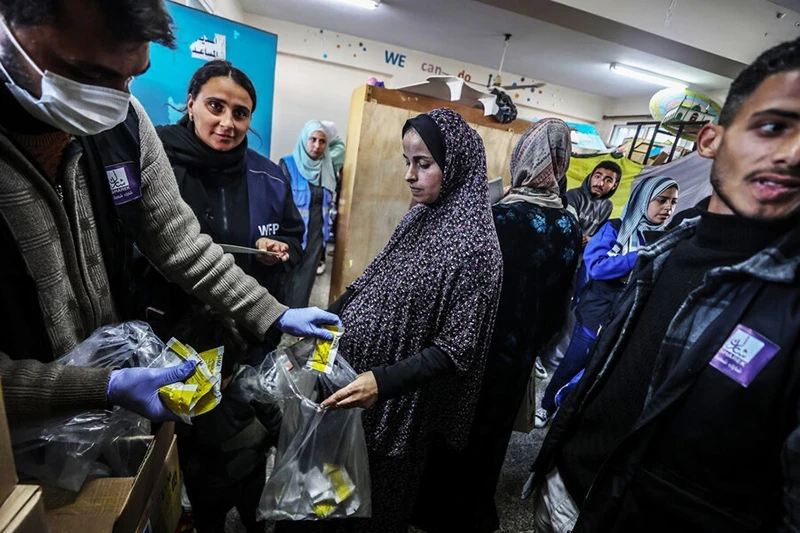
column 308, row 322
column 137, row 389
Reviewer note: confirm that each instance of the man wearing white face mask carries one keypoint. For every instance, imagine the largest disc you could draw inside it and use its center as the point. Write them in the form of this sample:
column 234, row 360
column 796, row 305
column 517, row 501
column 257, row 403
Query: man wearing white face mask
column 84, row 186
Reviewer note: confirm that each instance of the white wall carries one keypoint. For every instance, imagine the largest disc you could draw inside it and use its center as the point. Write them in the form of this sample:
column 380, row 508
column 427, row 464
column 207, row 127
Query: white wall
column 230, row 9
column 309, row 89
column 318, row 70
column 736, row 29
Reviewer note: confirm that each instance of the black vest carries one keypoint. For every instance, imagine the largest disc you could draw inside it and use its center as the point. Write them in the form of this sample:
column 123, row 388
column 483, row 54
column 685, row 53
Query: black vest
column 23, row 334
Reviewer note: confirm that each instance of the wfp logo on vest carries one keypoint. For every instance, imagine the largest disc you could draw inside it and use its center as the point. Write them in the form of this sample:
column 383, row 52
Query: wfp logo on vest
column 268, row 230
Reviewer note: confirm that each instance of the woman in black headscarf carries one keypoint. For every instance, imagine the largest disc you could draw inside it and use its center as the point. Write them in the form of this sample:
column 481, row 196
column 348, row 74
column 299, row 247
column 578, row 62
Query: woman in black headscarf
column 419, row 320
column 239, row 196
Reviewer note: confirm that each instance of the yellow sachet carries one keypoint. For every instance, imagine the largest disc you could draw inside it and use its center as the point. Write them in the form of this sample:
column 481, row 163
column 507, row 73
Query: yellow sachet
column 178, row 397
column 343, row 486
column 324, row 508
column 179, row 348
column 202, row 376
column 213, row 359
column 325, row 352
column 200, row 392
column 209, row 401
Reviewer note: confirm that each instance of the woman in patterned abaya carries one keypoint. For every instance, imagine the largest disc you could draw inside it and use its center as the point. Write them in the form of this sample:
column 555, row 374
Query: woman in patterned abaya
column 540, row 242
column 419, row 320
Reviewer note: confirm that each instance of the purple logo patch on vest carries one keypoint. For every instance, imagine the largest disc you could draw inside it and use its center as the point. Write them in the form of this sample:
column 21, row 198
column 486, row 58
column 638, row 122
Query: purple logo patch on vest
column 744, row 355
column 124, row 188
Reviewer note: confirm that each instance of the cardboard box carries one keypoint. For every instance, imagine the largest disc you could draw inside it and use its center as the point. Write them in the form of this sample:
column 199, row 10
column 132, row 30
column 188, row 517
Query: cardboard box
column 164, row 509
column 118, row 505
column 8, row 473
column 23, row 512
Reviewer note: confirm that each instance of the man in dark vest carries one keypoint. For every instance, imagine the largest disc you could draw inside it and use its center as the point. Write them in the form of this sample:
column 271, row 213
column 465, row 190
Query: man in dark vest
column 84, row 178
column 687, row 416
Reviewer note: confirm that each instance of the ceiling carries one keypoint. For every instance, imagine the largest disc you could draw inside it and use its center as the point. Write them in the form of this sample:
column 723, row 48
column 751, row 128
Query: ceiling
column 794, row 5
column 472, row 32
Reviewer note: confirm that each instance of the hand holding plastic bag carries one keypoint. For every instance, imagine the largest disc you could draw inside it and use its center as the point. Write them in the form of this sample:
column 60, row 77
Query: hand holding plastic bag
column 321, row 467
column 363, row 393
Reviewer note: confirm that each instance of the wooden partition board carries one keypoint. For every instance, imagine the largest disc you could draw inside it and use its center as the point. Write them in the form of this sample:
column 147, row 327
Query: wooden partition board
column 374, row 196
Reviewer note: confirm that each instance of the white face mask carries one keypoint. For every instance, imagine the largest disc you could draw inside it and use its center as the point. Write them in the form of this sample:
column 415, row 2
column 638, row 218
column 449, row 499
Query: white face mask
column 73, row 107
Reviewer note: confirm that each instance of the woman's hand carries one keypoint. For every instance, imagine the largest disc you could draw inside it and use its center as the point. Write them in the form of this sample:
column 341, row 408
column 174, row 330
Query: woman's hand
column 362, row 392
column 272, row 246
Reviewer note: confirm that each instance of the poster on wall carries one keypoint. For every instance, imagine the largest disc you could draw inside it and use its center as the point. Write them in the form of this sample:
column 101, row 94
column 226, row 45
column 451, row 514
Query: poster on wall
column 201, row 37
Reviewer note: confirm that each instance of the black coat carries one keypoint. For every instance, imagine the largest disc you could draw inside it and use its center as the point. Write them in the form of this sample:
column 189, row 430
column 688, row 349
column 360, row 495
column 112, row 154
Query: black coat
column 706, row 453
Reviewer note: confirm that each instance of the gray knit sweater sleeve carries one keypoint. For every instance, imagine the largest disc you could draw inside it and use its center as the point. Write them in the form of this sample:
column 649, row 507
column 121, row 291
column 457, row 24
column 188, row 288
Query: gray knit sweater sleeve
column 34, row 389
column 170, row 237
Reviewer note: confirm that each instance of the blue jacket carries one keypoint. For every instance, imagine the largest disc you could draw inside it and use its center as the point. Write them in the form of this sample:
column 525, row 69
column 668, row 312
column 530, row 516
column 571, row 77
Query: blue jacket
column 607, row 275
column 270, row 199
column 602, row 266
column 301, row 190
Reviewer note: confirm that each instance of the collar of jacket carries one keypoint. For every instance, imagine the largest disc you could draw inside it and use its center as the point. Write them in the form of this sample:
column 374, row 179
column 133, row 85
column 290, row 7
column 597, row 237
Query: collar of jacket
column 777, row 263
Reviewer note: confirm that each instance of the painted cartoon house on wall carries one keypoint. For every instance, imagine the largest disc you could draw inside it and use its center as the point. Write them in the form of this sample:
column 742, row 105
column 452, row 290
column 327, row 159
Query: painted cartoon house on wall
column 690, row 110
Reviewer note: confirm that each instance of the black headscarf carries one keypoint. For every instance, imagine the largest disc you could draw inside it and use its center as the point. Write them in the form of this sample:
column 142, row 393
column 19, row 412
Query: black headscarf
column 436, row 283
column 185, row 149
column 431, row 136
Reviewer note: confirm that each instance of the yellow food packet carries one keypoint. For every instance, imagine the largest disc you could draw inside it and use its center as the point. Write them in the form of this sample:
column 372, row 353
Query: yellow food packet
column 343, row 486
column 213, row 359
column 179, row 348
column 325, row 352
column 202, row 376
column 324, row 508
column 200, row 392
column 178, row 397
column 207, row 402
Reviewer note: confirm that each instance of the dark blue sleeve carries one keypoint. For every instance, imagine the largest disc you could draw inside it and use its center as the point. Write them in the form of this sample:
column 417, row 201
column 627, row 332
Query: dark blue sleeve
column 599, row 264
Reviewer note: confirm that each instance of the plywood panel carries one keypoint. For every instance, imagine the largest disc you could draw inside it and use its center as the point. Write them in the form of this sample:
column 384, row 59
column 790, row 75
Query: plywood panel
column 346, row 191
column 499, row 145
column 379, row 196
column 374, row 196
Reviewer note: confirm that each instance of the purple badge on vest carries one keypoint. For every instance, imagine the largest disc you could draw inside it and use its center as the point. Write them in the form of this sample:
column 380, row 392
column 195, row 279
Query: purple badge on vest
column 124, row 188
column 744, row 354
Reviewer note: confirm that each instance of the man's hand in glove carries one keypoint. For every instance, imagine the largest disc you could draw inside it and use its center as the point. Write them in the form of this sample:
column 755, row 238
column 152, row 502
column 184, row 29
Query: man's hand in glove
column 137, row 389
column 308, row 322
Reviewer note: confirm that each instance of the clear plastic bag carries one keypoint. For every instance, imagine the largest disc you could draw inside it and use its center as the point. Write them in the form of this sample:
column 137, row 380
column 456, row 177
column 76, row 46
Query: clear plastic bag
column 125, row 345
column 321, row 467
column 66, row 450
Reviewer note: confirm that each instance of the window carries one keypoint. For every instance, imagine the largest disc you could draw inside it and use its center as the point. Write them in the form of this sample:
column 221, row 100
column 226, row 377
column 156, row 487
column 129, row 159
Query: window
column 622, row 135
column 623, row 132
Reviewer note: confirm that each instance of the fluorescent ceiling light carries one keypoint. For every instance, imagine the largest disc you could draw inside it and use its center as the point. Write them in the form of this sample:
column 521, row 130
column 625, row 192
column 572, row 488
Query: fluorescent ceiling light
column 644, row 75
column 366, row 4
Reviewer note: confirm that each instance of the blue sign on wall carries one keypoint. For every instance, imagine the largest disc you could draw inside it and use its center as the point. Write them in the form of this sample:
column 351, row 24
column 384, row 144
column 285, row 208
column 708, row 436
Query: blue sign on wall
column 202, row 37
